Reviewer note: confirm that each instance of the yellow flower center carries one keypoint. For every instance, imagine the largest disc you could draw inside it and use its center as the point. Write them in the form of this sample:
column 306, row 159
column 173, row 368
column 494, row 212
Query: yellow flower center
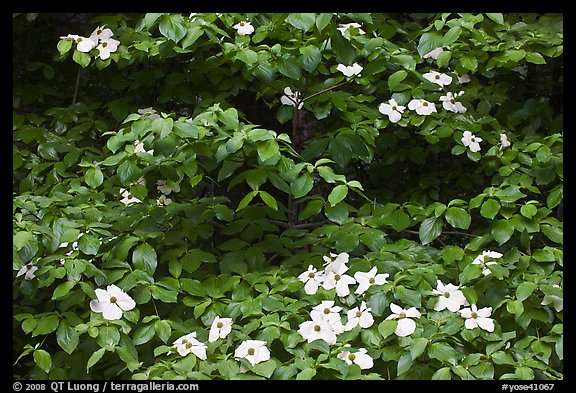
column 113, row 299
column 317, row 328
column 326, row 311
column 371, row 280
column 402, row 315
column 219, row 325
column 311, row 275
column 188, row 345
column 251, row 351
column 358, row 314
column 474, row 315
column 337, row 277
column 424, row 103
column 351, row 356
column 447, row 294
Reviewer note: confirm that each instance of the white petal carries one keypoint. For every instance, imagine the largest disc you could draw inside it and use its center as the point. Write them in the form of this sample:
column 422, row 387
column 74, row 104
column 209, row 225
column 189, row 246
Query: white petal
column 363, row 360
column 396, row 309
column 486, row 324
column 102, row 295
column 199, row 351
column 405, row 327
column 470, row 323
column 394, row 116
column 112, row 312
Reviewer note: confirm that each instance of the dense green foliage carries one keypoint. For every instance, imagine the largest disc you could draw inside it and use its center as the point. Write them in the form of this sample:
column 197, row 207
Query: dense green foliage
column 260, row 189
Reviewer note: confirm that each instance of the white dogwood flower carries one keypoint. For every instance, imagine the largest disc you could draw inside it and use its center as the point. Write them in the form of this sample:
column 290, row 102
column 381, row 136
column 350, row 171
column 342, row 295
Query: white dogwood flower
column 292, row 98
column 317, row 329
column 406, row 326
column 111, row 302
column 83, row 44
column 504, row 142
column 27, row 271
column 421, row 106
column 128, row 198
column 392, row 109
column 189, row 344
column 244, row 28
column 481, row 260
column 163, row 200
column 434, row 53
column 337, row 279
column 139, row 148
column 471, row 141
column 478, row 318
column 438, row 78
column 449, row 297
column 105, row 47
column 330, row 313
column 331, row 265
column 312, row 280
column 164, row 188
column 220, row 328
column 366, row 280
column 343, row 27
column 450, row 104
column 101, row 33
column 359, row 316
column 361, row 358
column 352, row 70
column 254, row 351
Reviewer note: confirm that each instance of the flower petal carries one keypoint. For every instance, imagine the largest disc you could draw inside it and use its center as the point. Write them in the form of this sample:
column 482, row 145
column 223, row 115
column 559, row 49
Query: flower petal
column 405, row 327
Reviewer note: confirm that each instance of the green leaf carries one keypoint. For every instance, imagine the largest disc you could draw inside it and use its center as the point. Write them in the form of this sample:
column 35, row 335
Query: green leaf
column 553, row 233
column 81, row 58
column 247, row 56
column 444, row 352
column 266, row 368
column 555, row 197
column 399, row 220
column 469, row 62
column 94, row 358
column 89, row 244
column 46, row 324
column 322, row 20
column 162, row 126
column 312, row 208
column 442, row 374
column 94, row 177
column 428, row 42
column 143, row 334
column 501, row 231
column 408, row 296
column 127, row 171
column 163, row 330
column 43, row 360
column 338, row 194
column 387, row 327
column 528, row 211
column 535, row 58
column 21, row 239
column 268, row 200
column 490, row 208
column 246, row 200
column 145, row 258
column 64, row 45
column 345, row 51
column 173, row 27
column 306, row 374
column 289, row 68
column 417, row 347
column 67, row 337
column 496, row 17
column 302, row 21
column 396, row 78
column 193, row 287
column 268, row 149
column 302, row 185
column 311, row 57
column 515, row 307
column 524, row 290
column 451, row 36
column 430, row 229
column 63, row 289
column 404, row 363
column 457, row 217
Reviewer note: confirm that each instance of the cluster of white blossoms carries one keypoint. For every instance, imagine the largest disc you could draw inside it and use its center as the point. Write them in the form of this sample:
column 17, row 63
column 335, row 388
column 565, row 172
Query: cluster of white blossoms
column 333, row 276
column 451, row 297
column 292, row 98
column 101, row 39
column 255, row 351
column 353, row 70
column 449, row 102
column 481, row 260
column 165, row 190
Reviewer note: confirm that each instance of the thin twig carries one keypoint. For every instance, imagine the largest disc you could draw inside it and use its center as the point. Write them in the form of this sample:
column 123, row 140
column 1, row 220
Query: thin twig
column 76, row 87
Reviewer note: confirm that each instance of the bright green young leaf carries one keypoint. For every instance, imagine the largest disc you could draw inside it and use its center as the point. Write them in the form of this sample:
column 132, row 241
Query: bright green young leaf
column 337, row 194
